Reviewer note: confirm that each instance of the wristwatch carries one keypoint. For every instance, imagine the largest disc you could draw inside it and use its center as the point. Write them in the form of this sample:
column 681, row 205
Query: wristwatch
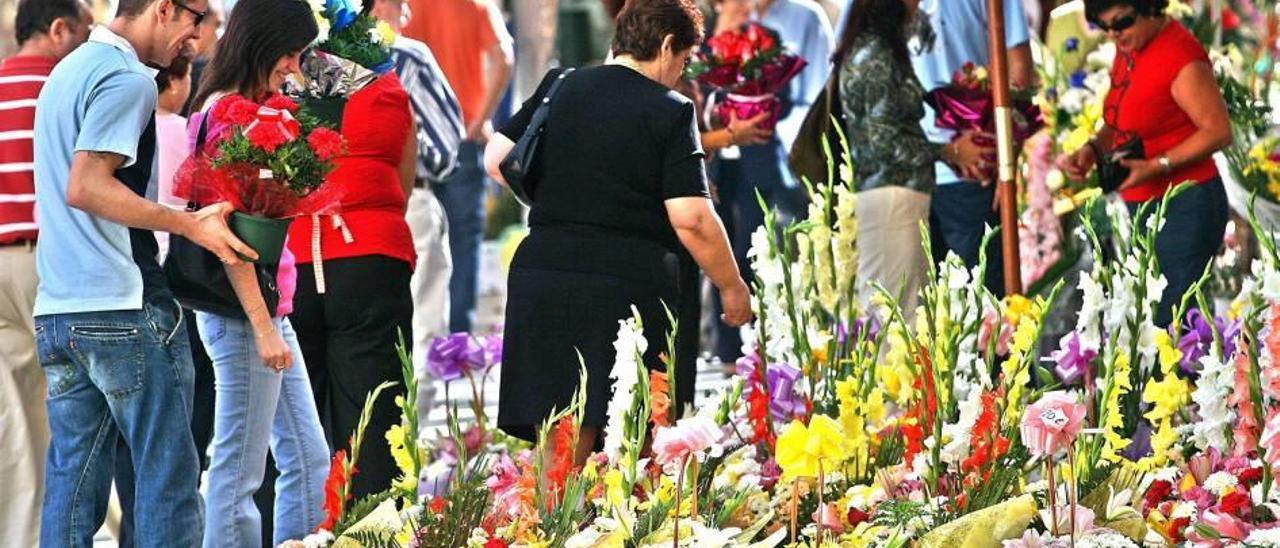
column 1165, row 164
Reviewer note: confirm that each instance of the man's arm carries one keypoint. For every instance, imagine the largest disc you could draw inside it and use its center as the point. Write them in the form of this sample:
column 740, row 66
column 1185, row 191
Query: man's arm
column 94, row 189
column 500, row 59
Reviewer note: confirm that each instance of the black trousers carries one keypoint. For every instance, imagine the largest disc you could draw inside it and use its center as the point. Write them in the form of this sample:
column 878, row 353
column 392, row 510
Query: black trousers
column 348, row 337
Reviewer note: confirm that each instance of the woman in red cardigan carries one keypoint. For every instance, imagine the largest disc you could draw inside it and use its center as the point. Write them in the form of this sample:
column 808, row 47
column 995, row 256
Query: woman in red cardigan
column 353, row 299
column 1164, row 93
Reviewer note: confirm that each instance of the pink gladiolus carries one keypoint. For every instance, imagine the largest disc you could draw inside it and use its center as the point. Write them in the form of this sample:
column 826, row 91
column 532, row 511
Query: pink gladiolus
column 689, row 437
column 1270, row 440
column 1052, row 423
column 1227, row 526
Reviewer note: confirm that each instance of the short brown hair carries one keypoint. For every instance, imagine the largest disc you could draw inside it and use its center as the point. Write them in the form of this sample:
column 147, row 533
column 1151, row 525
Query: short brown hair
column 177, row 70
column 643, row 24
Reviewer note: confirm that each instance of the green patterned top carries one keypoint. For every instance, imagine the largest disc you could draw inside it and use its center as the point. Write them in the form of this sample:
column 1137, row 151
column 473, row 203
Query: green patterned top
column 883, row 104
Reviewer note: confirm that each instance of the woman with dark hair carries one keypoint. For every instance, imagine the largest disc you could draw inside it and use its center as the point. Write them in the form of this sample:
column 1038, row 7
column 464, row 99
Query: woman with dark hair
column 263, row 391
column 1164, row 96
column 893, row 161
column 610, row 216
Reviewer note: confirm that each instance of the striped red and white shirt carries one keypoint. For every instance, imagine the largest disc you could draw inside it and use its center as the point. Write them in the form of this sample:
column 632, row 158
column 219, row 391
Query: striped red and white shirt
column 20, row 81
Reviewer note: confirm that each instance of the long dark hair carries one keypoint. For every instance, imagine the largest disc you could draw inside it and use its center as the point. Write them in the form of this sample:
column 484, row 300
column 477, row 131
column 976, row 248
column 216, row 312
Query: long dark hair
column 259, row 33
column 886, row 19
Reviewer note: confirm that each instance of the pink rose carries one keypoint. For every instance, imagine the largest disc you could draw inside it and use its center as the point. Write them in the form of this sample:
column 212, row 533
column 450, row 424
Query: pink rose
column 1052, row 423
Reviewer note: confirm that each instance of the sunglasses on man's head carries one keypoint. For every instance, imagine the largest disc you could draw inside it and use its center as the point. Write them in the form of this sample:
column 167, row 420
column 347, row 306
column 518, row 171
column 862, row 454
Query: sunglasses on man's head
column 1119, row 24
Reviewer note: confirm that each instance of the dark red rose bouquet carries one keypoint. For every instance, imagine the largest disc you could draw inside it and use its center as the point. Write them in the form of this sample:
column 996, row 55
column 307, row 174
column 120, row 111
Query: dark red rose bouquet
column 267, row 164
column 750, row 65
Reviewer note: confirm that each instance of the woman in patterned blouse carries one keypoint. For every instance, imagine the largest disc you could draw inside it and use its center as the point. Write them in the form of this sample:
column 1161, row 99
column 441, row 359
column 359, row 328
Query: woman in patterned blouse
column 893, row 161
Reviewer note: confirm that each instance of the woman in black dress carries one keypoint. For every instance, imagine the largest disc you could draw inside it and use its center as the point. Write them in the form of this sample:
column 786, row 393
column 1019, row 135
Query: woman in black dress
column 621, row 192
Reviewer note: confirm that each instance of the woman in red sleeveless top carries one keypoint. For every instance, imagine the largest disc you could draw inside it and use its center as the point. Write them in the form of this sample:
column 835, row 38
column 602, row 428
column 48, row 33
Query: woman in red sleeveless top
column 353, row 295
column 1163, row 92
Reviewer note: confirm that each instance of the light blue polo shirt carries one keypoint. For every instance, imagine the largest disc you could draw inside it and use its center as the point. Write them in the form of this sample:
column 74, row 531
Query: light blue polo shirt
column 960, row 27
column 100, row 98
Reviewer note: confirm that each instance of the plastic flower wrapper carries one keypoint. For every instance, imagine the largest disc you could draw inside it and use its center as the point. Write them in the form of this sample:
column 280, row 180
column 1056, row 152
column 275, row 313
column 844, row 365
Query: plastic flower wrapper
column 751, row 65
column 325, row 83
column 967, row 104
column 983, row 528
column 262, row 160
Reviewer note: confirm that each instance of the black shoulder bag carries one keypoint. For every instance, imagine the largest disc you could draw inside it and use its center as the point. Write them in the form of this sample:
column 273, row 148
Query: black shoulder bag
column 198, row 279
column 808, row 157
column 519, row 165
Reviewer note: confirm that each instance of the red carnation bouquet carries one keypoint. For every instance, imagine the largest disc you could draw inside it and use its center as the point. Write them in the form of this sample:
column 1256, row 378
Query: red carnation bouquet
column 751, row 65
column 269, row 165
column 967, row 104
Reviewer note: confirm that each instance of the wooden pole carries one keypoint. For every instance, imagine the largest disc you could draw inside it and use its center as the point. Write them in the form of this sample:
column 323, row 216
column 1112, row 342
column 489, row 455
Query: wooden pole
column 1006, row 174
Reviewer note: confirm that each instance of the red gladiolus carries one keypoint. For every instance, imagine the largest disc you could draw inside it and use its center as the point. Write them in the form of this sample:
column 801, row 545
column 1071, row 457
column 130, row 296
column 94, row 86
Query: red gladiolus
column 325, row 142
column 267, row 137
column 495, row 543
column 562, row 461
column 758, row 410
column 333, row 489
column 436, row 505
column 660, row 398
column 1236, row 504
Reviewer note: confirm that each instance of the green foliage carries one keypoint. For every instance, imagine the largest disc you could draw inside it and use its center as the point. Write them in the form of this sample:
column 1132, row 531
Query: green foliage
column 375, row 539
column 294, row 164
column 464, row 507
column 359, row 510
column 354, row 43
column 650, row 521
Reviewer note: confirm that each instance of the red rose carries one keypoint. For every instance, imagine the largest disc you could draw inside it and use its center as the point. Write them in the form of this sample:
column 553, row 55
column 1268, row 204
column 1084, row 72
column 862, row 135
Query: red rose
column 280, row 102
column 760, row 38
column 857, row 516
column 326, row 143
column 1177, row 528
column 1250, row 476
column 1236, row 504
column 1158, row 491
column 267, row 137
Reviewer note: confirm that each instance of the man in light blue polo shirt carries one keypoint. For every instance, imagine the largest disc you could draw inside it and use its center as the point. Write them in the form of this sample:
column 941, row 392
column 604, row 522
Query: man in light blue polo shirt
column 108, row 332
column 955, row 34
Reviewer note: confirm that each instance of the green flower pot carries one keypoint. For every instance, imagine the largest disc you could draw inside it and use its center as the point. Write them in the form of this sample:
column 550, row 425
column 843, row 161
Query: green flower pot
column 264, row 235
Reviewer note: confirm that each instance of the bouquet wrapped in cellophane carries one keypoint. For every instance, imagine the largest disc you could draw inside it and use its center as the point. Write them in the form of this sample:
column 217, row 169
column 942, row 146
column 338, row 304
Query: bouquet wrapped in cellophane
column 750, row 65
column 967, row 104
column 269, row 164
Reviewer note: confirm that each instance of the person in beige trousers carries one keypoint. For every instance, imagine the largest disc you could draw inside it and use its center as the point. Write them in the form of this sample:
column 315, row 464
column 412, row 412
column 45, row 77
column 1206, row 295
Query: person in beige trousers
column 47, row 30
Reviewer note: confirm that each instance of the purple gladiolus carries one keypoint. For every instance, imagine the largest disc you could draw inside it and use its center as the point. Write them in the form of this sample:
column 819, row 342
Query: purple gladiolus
column 450, row 356
column 1073, row 360
column 493, row 348
column 1198, row 339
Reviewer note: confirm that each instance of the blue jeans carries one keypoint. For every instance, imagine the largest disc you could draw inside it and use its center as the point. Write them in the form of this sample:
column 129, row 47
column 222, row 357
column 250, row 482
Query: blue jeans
column 462, row 195
column 1194, row 224
column 958, row 217
column 110, row 374
column 256, row 408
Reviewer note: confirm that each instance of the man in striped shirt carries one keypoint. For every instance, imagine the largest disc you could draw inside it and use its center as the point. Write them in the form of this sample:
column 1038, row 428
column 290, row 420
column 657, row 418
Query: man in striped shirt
column 440, row 131
column 47, row 30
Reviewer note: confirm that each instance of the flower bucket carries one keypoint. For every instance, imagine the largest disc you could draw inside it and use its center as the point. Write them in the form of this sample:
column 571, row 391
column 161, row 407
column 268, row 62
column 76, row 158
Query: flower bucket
column 1238, row 196
column 263, row 234
column 748, row 106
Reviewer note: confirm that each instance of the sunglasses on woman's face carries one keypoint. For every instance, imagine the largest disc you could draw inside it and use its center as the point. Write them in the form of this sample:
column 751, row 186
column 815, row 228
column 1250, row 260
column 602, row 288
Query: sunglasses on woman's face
column 1119, row 24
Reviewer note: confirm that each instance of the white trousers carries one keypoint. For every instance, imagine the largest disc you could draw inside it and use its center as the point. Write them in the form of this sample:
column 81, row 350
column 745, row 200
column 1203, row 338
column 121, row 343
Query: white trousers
column 430, row 287
column 889, row 244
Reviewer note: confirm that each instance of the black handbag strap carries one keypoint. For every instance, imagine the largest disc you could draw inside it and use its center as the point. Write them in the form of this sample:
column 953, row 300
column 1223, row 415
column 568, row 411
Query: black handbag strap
column 544, row 108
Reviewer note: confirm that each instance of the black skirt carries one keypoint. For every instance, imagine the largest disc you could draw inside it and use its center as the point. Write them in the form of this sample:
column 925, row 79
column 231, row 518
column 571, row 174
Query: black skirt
column 566, row 292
